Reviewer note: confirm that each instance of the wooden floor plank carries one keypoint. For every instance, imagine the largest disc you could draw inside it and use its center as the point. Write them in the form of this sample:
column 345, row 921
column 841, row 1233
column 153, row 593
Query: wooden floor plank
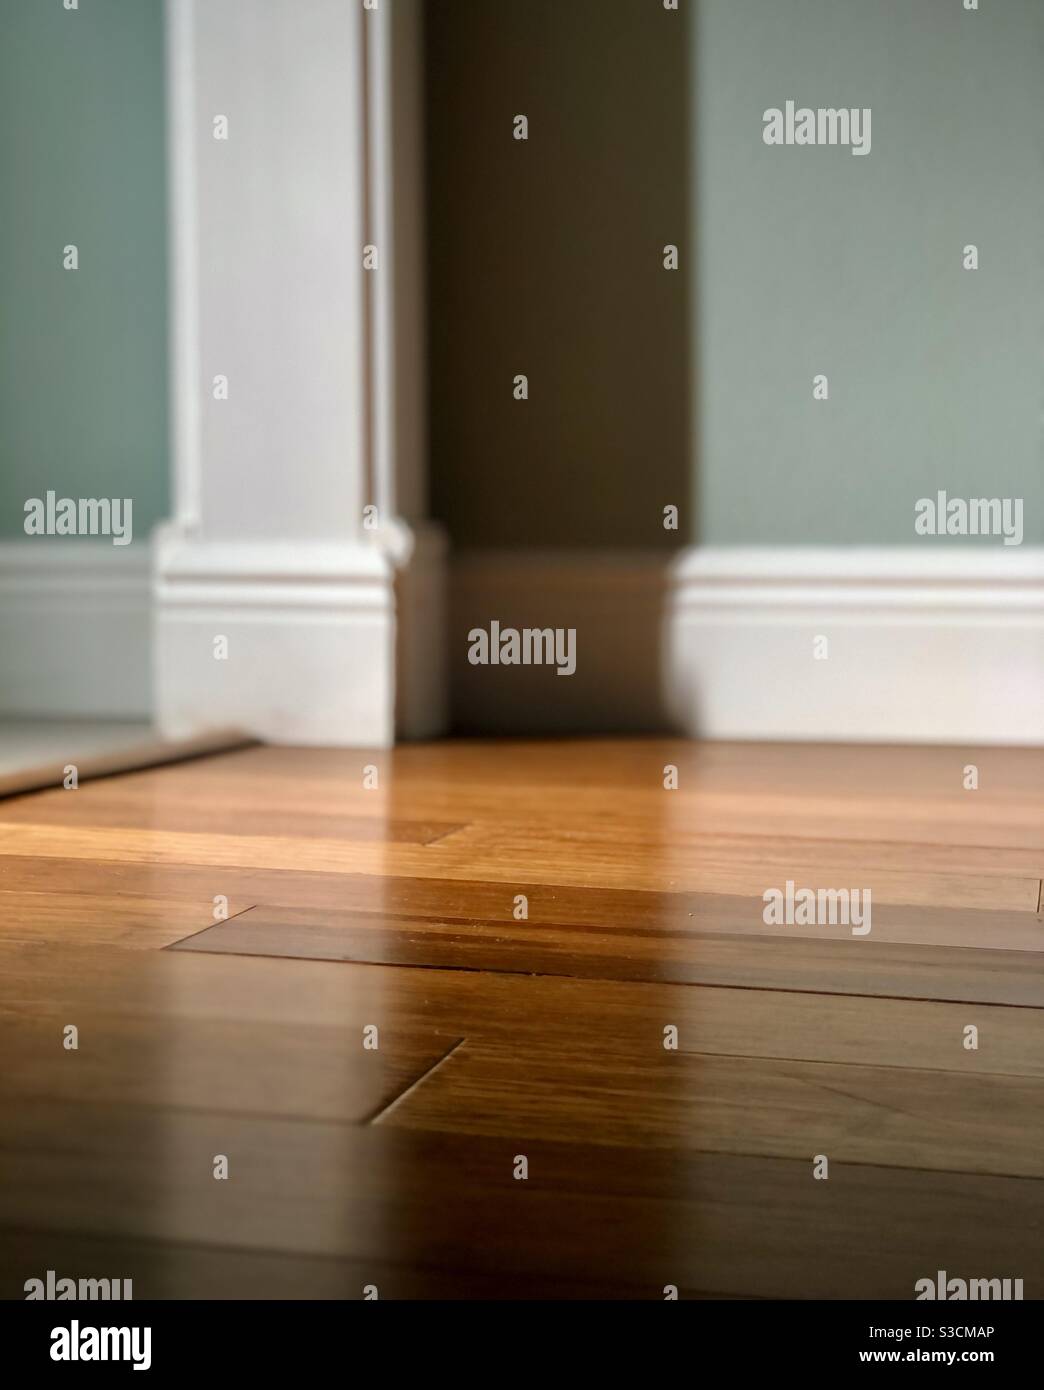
column 160, row 991
column 173, row 1270
column 135, row 919
column 595, row 918
column 541, row 1037
column 506, row 859
column 761, row 1227
column 458, row 895
column 897, row 1117
column 690, row 847
column 250, row 1068
column 108, row 805
column 753, row 962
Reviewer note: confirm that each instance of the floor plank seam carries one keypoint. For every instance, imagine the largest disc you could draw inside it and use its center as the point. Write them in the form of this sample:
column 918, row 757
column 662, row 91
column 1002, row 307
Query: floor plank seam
column 446, row 835
column 695, row 1154
column 170, row 946
column 900, row 1067
column 663, row 1152
column 613, row 979
column 419, row 1081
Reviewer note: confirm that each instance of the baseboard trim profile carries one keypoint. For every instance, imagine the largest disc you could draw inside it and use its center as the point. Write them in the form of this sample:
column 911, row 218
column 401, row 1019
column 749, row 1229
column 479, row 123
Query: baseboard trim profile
column 328, row 643
column 314, row 652
column 935, row 645
column 346, row 644
column 292, row 643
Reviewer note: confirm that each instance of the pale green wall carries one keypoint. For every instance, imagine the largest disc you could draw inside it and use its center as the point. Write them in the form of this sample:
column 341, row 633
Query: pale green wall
column 803, row 260
column 814, row 260
column 82, row 354
column 645, row 128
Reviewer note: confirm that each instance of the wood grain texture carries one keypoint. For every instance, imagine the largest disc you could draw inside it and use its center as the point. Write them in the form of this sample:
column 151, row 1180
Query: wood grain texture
column 248, row 1068
column 736, row 1105
column 145, row 920
column 634, row 914
column 749, row 962
column 162, row 1270
column 156, row 991
column 542, row 1037
column 643, row 1218
column 506, row 858
column 589, row 814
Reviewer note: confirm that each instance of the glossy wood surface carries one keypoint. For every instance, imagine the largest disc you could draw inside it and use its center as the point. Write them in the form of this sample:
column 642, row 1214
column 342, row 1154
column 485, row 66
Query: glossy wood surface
column 226, row 934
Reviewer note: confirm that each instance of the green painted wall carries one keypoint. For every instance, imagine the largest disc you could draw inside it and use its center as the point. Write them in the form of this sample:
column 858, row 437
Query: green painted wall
column 647, row 387
column 814, row 260
column 83, row 354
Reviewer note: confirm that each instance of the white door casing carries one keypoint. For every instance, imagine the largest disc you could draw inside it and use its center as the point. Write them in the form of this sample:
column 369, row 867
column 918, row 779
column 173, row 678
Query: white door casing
column 292, row 367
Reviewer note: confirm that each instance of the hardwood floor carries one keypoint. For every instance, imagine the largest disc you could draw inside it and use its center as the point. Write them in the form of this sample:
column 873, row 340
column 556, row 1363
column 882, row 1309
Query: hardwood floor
column 231, row 937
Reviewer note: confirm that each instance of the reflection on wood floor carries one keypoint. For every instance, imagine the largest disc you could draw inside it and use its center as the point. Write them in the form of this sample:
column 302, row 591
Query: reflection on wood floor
column 382, row 1007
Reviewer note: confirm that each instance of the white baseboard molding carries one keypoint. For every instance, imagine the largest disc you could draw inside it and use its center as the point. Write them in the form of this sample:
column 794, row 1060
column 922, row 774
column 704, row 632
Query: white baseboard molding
column 937, row 644
column 74, row 629
column 311, row 640
column 308, row 649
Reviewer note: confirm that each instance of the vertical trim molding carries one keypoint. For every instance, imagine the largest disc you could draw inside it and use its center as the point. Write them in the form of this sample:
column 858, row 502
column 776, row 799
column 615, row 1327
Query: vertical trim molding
column 183, row 277
column 275, row 605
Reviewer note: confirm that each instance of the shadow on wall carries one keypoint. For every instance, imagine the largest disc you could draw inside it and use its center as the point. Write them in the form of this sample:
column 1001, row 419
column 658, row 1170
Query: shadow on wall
column 547, row 261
